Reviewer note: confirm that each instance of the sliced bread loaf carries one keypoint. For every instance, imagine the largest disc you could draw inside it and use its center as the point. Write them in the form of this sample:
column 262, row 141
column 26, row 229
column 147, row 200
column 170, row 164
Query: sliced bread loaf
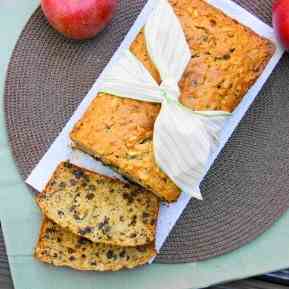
column 60, row 247
column 99, row 208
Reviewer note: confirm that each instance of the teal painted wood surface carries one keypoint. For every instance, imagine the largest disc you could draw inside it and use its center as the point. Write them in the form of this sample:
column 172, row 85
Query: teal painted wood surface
column 20, row 220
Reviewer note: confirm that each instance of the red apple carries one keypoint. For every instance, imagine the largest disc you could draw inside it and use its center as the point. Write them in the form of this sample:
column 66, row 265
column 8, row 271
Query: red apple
column 281, row 21
column 78, row 19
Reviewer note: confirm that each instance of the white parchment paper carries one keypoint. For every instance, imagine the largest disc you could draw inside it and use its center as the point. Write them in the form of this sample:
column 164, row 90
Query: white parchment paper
column 61, row 150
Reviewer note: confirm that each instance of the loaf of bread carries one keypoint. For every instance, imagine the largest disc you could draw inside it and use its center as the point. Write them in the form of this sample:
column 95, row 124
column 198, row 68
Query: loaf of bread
column 227, row 58
column 60, row 247
column 100, row 208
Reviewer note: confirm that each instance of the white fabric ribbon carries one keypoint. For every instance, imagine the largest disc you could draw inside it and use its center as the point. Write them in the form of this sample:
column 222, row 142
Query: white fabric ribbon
column 183, row 139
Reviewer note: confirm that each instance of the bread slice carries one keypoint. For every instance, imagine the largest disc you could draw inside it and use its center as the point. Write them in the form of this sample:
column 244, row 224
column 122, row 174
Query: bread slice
column 60, row 247
column 99, row 208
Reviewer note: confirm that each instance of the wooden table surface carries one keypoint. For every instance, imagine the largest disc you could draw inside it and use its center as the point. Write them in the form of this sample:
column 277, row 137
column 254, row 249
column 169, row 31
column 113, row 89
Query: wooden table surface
column 6, row 281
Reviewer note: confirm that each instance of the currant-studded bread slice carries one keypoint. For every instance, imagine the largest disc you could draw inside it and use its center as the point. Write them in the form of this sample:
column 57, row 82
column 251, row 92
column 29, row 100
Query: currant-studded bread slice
column 99, row 208
column 60, row 247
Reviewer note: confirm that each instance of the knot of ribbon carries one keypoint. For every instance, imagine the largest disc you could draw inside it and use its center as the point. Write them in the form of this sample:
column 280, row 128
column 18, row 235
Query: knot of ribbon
column 170, row 88
column 183, row 139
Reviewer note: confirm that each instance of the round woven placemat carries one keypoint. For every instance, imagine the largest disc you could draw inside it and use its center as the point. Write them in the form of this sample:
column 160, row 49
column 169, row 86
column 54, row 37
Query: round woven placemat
column 245, row 191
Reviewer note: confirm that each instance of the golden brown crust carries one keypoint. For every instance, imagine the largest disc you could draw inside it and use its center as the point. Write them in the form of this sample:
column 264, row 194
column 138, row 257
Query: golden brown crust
column 227, row 58
column 60, row 247
column 119, row 132
column 99, row 208
column 139, row 49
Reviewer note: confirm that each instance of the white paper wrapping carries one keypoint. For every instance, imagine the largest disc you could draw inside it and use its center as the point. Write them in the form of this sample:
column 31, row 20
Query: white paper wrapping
column 61, row 150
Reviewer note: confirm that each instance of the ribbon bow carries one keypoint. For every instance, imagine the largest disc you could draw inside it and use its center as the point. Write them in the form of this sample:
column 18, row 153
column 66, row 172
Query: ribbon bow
column 183, row 139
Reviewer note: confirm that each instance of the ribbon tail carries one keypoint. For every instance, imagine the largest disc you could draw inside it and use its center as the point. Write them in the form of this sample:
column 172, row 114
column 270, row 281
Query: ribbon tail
column 196, row 193
column 183, row 144
column 129, row 78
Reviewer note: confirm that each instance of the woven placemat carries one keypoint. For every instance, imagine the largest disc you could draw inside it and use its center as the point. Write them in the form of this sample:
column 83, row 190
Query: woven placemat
column 245, row 191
